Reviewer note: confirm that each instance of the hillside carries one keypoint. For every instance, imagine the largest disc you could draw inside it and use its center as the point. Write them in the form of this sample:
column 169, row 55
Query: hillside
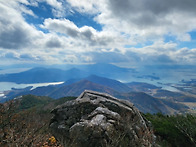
column 139, row 86
column 77, row 88
column 174, row 131
column 148, row 104
column 69, row 90
column 25, row 121
column 114, row 84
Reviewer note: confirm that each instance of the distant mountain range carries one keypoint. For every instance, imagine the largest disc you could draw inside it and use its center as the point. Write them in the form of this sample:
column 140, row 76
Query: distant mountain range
column 135, row 94
column 44, row 75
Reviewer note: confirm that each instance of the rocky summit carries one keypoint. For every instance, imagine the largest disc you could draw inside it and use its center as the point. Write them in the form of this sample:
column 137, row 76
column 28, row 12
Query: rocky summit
column 100, row 120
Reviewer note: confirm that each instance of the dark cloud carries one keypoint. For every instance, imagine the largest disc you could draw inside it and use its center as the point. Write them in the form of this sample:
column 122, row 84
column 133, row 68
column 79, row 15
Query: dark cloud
column 87, row 34
column 165, row 6
column 53, row 43
column 150, row 12
column 162, row 59
column 13, row 37
column 15, row 33
column 131, row 7
column 72, row 33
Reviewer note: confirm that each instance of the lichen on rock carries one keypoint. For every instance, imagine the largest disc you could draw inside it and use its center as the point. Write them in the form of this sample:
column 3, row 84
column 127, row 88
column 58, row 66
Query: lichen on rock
column 100, row 120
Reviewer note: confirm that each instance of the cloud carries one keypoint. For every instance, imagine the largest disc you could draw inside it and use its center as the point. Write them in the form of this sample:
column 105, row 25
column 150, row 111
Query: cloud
column 150, row 18
column 53, row 43
column 86, row 35
column 20, row 56
column 129, row 22
column 161, row 53
column 70, row 58
column 62, row 26
column 59, row 8
column 11, row 55
column 29, row 57
column 142, row 20
column 11, row 35
column 54, row 3
column 13, row 38
column 15, row 33
column 86, row 6
column 95, row 57
column 185, row 56
column 162, row 59
column 105, row 57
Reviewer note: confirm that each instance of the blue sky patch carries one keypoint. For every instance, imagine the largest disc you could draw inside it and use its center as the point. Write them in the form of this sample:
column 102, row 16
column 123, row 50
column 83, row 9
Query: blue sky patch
column 44, row 11
column 188, row 44
column 81, row 19
column 169, row 38
column 193, row 35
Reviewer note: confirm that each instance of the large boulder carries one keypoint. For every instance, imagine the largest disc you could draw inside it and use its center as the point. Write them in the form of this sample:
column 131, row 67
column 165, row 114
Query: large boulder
column 100, row 120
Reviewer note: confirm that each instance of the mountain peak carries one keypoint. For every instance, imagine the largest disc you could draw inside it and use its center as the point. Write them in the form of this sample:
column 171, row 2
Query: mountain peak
column 96, row 115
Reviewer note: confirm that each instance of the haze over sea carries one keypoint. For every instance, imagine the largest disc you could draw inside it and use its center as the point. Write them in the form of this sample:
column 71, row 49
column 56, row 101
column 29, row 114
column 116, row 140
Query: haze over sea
column 167, row 78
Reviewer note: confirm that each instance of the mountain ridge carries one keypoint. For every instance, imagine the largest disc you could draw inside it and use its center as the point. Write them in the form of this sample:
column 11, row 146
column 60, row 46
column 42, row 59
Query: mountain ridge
column 44, row 74
column 74, row 87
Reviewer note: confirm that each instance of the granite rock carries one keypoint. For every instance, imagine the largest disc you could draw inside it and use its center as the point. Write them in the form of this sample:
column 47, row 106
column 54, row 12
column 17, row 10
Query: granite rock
column 99, row 120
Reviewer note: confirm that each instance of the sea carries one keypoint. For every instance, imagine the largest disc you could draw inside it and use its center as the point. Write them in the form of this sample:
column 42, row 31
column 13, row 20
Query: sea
column 5, row 86
column 168, row 78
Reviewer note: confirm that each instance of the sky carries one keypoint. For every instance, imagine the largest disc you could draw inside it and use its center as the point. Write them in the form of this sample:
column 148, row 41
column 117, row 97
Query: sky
column 123, row 32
